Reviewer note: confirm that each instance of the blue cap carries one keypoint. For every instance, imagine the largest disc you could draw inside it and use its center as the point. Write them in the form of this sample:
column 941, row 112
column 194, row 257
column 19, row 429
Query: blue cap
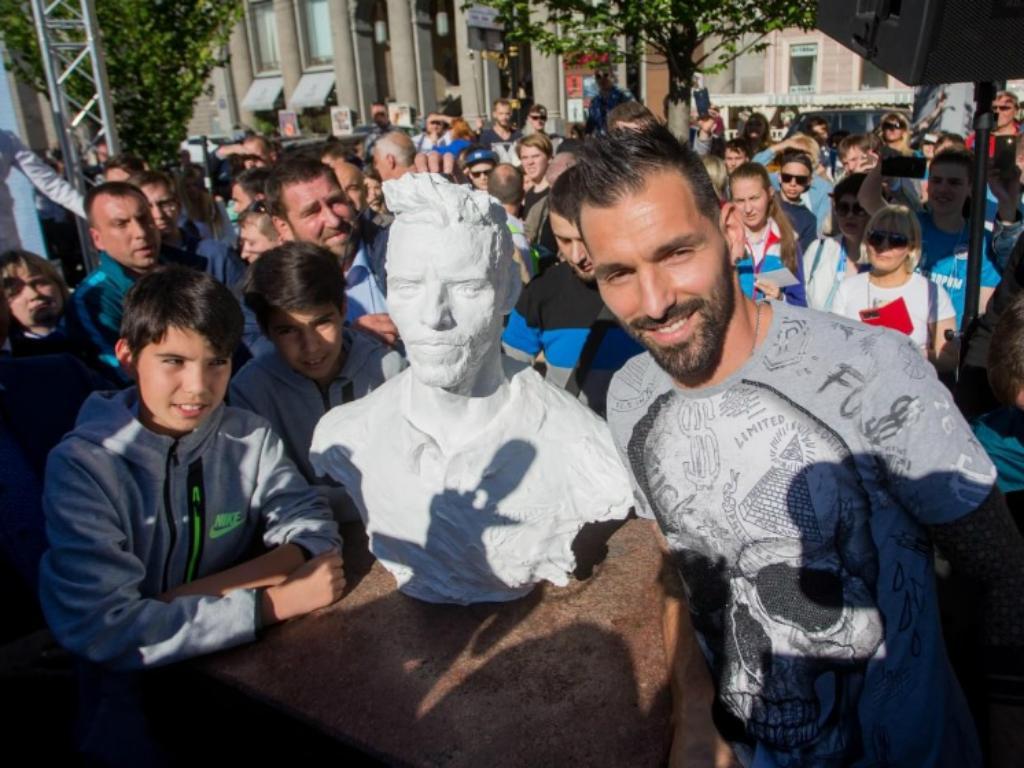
column 480, row 156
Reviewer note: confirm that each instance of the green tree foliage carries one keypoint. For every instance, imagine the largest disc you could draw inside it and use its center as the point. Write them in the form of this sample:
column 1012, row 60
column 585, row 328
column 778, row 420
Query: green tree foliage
column 691, row 35
column 159, row 54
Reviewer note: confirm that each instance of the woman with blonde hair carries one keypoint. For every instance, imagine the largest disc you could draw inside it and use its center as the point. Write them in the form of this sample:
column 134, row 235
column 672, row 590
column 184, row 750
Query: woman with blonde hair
column 892, row 244
column 894, row 130
column 770, row 242
column 715, row 166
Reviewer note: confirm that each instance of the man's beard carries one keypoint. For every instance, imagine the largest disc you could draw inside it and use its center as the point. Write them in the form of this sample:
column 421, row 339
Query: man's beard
column 693, row 361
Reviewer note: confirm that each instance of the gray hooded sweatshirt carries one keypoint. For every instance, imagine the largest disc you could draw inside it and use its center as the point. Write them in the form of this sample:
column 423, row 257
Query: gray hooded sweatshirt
column 131, row 514
column 294, row 404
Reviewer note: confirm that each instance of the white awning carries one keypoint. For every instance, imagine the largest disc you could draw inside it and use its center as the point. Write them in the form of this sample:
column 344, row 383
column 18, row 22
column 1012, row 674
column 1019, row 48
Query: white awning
column 312, row 90
column 262, row 94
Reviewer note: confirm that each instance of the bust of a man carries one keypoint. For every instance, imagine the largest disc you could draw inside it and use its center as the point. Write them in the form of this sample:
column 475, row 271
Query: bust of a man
column 472, row 480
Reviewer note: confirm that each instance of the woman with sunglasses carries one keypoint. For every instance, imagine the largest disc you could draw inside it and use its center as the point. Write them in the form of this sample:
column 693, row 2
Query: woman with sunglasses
column 893, row 246
column 830, row 260
column 894, row 131
column 770, row 242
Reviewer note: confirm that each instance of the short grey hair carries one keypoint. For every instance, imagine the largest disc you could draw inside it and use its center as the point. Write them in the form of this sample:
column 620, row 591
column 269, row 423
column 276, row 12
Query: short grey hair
column 399, row 146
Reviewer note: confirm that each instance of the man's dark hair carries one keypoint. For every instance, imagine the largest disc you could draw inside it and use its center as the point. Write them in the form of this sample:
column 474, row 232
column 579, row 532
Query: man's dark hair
column 153, row 179
column 112, row 189
column 130, row 164
column 848, row 186
column 797, row 156
column 178, row 297
column 958, row 158
column 565, row 195
column 738, row 145
column 1006, row 353
column 293, row 276
column 817, row 120
column 505, row 184
column 293, row 170
column 253, row 181
column 613, row 166
column 630, row 112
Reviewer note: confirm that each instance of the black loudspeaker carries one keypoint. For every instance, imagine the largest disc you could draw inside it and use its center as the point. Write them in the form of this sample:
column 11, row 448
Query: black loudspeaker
column 932, row 41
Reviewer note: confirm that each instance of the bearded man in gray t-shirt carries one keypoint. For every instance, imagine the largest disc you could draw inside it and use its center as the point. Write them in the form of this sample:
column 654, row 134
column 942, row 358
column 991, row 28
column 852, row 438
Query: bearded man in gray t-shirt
column 800, row 466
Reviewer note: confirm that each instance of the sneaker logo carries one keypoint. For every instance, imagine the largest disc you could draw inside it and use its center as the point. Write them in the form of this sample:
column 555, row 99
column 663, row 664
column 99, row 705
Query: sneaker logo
column 225, row 523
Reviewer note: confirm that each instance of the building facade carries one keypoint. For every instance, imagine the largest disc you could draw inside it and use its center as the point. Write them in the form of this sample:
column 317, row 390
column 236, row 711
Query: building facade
column 308, row 55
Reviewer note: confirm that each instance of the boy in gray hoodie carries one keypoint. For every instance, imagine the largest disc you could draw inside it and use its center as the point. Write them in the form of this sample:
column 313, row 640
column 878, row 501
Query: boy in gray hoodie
column 155, row 501
column 297, row 292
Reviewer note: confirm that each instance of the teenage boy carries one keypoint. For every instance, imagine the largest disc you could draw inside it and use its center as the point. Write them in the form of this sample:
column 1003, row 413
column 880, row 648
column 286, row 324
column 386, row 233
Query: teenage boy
column 156, row 498
column 298, row 295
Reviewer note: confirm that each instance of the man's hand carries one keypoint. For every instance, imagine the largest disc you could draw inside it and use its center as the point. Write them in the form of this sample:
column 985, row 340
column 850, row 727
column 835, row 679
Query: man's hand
column 379, row 325
column 706, row 125
column 1006, row 191
column 312, row 585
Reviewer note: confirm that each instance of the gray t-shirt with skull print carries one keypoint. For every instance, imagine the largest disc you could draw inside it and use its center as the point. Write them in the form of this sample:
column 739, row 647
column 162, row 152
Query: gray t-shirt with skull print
column 794, row 497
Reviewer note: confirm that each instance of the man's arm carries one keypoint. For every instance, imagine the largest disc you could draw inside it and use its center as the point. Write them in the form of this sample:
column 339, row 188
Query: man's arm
column 90, row 583
column 43, row 177
column 290, row 585
column 379, row 325
column 870, row 194
column 986, row 547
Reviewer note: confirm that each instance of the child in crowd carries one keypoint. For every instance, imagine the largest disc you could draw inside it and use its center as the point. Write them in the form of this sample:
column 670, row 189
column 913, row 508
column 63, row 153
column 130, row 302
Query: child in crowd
column 37, row 295
column 156, row 499
column 298, row 295
column 1001, row 432
column 256, row 234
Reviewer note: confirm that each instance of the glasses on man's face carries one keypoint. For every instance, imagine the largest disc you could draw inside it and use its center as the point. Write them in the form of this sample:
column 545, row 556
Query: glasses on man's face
column 892, row 127
column 791, row 178
column 1003, row 107
column 538, row 117
column 849, row 209
column 480, row 174
column 877, row 238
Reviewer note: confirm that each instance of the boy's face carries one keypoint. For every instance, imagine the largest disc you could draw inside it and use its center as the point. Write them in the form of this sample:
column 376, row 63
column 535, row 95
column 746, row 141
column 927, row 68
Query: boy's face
column 181, row 380
column 734, row 159
column 309, row 340
column 948, row 188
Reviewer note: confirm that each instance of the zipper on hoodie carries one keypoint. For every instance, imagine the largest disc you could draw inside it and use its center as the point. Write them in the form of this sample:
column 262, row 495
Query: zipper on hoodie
column 172, row 527
column 196, row 518
column 348, row 394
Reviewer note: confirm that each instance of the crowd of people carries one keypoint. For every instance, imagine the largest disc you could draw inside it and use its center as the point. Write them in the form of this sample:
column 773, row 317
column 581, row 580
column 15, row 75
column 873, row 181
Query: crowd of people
column 756, row 277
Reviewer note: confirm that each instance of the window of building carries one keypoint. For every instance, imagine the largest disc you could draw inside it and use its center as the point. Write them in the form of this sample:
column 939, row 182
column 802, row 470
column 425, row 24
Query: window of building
column 803, row 66
column 749, row 73
column 264, row 37
column 316, row 19
column 872, row 77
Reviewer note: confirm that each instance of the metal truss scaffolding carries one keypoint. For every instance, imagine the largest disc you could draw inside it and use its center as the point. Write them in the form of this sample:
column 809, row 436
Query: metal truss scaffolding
column 76, row 78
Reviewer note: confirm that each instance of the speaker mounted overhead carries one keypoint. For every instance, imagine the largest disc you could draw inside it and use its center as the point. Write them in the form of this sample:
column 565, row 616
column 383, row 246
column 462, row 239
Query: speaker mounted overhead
column 929, row 42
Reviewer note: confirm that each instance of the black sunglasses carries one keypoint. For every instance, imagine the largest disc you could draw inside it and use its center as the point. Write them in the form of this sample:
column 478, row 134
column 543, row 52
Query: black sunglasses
column 893, row 127
column 789, row 178
column 257, row 206
column 478, row 174
column 878, row 238
column 845, row 209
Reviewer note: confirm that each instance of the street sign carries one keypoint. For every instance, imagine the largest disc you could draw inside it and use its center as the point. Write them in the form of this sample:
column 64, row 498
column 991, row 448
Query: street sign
column 482, row 17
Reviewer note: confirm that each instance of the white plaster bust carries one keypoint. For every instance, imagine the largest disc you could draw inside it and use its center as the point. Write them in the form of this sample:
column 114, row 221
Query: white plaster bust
column 472, row 480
